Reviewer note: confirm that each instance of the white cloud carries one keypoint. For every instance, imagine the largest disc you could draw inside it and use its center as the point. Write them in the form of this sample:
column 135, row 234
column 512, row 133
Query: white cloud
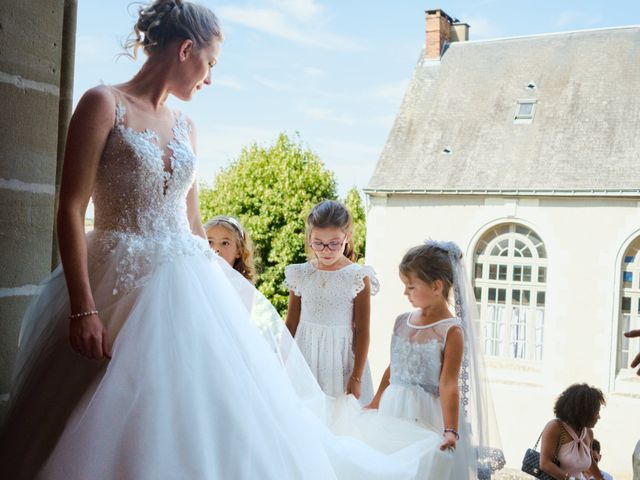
column 303, row 10
column 291, row 88
column 277, row 23
column 313, row 72
column 275, row 85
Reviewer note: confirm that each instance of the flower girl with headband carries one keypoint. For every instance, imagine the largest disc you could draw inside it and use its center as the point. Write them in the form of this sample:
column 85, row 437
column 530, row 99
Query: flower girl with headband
column 229, row 239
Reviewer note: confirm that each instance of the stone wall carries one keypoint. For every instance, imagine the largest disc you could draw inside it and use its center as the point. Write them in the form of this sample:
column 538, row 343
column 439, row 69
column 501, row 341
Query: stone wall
column 37, row 42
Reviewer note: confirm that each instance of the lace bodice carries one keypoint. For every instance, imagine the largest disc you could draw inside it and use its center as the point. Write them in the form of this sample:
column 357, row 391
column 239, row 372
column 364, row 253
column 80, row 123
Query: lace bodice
column 141, row 208
column 134, row 193
column 327, row 296
column 417, row 352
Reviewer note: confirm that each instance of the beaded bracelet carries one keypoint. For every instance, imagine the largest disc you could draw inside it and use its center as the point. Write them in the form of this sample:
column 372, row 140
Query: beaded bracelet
column 452, row 430
column 73, row 316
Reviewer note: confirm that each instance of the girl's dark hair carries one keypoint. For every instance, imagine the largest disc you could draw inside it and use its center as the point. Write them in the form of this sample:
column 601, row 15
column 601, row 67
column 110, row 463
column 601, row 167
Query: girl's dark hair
column 429, row 263
column 331, row 214
column 164, row 21
column 578, row 405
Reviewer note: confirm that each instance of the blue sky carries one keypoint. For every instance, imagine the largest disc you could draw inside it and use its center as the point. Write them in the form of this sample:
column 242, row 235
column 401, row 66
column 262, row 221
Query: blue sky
column 334, row 71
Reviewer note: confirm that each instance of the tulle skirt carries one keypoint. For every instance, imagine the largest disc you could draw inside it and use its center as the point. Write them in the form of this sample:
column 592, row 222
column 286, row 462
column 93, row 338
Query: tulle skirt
column 416, row 405
column 203, row 384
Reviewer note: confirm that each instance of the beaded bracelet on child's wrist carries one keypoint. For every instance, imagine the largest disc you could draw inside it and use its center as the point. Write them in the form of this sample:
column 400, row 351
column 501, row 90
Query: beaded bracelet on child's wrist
column 452, row 430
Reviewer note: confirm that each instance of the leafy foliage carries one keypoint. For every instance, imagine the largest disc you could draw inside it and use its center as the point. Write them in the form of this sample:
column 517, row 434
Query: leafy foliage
column 353, row 202
column 270, row 190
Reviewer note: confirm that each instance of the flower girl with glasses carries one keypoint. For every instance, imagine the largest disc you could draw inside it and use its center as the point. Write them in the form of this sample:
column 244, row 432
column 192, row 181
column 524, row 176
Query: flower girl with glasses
column 329, row 304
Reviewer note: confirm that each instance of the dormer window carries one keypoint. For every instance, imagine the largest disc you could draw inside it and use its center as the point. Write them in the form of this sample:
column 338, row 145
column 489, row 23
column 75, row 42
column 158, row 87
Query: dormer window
column 525, row 111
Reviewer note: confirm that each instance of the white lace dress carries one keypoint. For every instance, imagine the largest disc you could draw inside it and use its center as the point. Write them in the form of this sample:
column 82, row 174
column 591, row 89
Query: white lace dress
column 417, row 353
column 193, row 391
column 325, row 334
column 413, row 395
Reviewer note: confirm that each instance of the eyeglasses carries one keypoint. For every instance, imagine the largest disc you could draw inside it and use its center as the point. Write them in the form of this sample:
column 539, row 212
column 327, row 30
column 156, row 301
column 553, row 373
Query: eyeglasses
column 332, row 245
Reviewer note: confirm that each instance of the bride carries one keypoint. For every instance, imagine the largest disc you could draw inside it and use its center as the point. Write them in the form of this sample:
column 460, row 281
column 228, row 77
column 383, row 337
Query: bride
column 140, row 358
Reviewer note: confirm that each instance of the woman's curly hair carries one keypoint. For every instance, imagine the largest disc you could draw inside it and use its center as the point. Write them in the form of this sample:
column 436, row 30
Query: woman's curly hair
column 579, row 404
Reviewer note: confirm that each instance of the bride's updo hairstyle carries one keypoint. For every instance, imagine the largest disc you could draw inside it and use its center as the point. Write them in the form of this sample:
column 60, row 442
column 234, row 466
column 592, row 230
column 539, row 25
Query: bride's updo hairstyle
column 164, row 21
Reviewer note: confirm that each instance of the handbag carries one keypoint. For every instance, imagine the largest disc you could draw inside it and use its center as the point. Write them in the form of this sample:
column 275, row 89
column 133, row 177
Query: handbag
column 531, row 460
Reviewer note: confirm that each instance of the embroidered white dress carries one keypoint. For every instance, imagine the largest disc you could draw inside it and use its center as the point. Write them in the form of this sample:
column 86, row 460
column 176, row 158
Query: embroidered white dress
column 413, row 395
column 417, row 352
column 325, row 334
column 193, row 391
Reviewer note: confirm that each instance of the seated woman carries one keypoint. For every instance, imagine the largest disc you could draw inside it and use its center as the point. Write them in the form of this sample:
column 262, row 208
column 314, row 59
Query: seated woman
column 566, row 441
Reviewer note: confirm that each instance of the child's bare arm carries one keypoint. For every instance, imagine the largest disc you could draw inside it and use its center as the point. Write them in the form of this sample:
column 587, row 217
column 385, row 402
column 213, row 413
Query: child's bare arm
column 384, row 383
column 449, row 391
column 361, row 313
column 293, row 313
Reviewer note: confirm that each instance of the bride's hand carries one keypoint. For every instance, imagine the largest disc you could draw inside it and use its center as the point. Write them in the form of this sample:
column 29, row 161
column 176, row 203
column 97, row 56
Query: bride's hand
column 88, row 337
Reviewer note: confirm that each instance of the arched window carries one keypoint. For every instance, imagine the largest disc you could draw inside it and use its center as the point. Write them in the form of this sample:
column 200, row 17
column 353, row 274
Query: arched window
column 629, row 314
column 510, row 278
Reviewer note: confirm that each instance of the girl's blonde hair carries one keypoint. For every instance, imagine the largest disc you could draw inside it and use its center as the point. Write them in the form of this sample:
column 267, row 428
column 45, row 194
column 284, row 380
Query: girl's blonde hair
column 331, row 214
column 163, row 21
column 244, row 264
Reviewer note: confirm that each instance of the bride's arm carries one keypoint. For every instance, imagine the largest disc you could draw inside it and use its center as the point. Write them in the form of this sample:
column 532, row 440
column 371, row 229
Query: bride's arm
column 193, row 203
column 88, row 131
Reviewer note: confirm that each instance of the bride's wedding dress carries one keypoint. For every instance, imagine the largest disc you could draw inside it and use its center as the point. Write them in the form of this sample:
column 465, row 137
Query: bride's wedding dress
column 203, row 383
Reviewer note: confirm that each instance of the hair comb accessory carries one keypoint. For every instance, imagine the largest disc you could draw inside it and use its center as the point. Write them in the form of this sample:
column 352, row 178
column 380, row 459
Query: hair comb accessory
column 450, row 247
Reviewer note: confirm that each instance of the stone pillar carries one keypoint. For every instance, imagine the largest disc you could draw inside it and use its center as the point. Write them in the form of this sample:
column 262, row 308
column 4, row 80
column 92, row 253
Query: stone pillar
column 36, row 60
column 67, row 63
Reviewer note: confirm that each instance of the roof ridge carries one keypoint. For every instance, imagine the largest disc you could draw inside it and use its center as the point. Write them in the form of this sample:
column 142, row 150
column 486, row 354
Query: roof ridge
column 538, row 35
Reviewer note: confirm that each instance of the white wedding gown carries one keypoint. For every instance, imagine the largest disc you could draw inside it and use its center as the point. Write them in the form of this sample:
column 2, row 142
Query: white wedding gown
column 194, row 390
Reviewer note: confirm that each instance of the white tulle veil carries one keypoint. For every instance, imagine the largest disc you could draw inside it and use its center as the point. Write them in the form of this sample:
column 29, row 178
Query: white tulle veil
column 477, row 415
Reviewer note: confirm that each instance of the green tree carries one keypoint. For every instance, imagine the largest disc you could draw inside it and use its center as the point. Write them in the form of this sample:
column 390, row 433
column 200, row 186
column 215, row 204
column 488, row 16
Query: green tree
column 353, row 201
column 270, row 190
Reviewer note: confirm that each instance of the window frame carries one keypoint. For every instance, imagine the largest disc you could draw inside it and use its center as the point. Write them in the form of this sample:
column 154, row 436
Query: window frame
column 503, row 337
column 520, row 118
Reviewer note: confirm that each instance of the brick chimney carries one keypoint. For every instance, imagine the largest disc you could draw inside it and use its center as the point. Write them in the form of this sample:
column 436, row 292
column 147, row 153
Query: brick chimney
column 443, row 30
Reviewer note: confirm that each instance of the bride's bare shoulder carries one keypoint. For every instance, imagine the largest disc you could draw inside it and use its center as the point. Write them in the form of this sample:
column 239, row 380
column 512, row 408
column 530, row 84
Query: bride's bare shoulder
column 97, row 105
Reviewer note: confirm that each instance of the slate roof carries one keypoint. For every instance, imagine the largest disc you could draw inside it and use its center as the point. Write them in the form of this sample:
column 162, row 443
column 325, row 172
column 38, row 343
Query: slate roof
column 584, row 137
